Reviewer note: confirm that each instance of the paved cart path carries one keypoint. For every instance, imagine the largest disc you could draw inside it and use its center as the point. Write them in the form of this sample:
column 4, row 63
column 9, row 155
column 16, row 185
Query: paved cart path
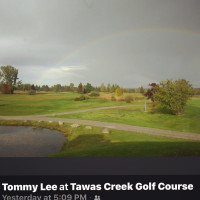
column 87, row 110
column 124, row 127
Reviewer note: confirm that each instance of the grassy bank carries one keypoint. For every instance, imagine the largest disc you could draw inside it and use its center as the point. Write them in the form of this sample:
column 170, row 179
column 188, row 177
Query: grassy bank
column 82, row 142
column 187, row 122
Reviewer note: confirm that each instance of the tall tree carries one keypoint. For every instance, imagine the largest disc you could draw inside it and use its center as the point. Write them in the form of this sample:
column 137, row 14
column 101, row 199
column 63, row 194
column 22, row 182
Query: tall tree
column 118, row 91
column 57, row 88
column 141, row 89
column 33, row 87
column 9, row 75
column 45, row 88
column 103, row 88
column 27, row 86
column 80, row 88
column 71, row 86
column 88, row 88
column 19, row 85
column 108, row 87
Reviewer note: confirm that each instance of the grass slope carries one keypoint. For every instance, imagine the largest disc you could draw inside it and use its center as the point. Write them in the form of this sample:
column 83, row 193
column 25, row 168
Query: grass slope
column 125, row 144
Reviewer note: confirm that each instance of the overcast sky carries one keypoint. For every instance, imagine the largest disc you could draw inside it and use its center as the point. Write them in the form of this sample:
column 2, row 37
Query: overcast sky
column 128, row 42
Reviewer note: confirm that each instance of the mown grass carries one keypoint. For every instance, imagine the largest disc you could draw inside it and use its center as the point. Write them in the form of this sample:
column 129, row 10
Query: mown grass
column 82, row 142
column 44, row 103
column 23, row 104
column 189, row 121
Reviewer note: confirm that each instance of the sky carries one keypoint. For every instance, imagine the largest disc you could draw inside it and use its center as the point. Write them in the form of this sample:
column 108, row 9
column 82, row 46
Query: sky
column 131, row 42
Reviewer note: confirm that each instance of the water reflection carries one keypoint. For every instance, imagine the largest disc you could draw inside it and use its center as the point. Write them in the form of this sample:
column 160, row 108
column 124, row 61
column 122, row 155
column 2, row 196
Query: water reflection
column 22, row 141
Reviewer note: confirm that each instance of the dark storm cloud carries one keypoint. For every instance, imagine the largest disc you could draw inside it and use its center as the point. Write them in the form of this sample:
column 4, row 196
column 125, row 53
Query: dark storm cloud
column 130, row 42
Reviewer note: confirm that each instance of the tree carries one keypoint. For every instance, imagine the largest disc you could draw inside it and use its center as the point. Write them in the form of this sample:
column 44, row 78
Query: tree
column 9, row 75
column 173, row 95
column 118, row 91
column 32, row 87
column 27, row 86
column 33, row 90
column 108, row 87
column 19, row 85
column 45, row 88
column 197, row 91
column 37, row 87
column 88, row 88
column 71, row 86
column 102, row 87
column 141, row 90
column 115, row 86
column 57, row 88
column 149, row 93
column 80, row 88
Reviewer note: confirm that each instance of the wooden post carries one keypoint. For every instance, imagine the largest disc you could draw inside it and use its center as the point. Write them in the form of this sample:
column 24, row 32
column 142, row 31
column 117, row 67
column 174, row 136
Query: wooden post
column 145, row 106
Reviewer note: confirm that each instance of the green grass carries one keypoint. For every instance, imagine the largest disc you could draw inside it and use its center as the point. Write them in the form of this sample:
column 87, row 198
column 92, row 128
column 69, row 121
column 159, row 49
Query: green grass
column 93, row 143
column 189, row 121
column 82, row 142
column 23, row 104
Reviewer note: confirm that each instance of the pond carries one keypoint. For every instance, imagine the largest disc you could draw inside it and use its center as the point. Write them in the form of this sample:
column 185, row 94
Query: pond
column 23, row 141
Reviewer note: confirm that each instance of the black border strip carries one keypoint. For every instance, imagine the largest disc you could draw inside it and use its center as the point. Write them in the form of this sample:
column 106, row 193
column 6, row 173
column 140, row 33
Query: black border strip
column 101, row 166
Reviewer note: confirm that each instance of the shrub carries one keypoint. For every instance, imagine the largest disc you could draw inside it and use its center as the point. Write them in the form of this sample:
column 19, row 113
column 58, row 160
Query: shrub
column 113, row 98
column 32, row 92
column 94, row 94
column 128, row 99
column 120, row 99
column 81, row 98
column 139, row 98
column 154, row 104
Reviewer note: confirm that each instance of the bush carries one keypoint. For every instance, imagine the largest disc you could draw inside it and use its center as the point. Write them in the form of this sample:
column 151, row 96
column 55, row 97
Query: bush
column 139, row 98
column 81, row 98
column 154, row 104
column 128, row 99
column 94, row 94
column 113, row 98
column 120, row 99
column 32, row 92
column 6, row 89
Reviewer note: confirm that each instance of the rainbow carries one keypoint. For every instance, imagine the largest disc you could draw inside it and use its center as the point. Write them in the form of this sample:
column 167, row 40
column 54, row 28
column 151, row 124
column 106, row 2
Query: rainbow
column 112, row 36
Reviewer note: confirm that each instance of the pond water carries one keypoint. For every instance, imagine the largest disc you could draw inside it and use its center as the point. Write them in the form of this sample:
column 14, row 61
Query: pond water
column 23, row 141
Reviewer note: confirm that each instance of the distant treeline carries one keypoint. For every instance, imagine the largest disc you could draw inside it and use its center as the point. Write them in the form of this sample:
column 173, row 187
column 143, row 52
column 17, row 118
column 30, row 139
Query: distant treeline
column 9, row 83
column 72, row 88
